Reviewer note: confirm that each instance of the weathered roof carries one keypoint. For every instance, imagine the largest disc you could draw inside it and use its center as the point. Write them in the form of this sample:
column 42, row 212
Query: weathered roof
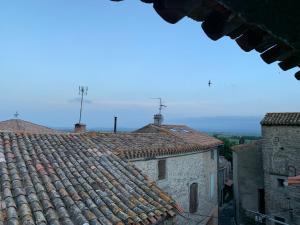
column 144, row 145
column 175, row 139
column 272, row 28
column 281, row 119
column 18, row 125
column 246, row 147
column 70, row 179
column 192, row 136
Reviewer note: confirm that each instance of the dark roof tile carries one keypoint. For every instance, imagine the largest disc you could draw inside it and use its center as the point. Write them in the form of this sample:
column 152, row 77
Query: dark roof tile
column 281, row 119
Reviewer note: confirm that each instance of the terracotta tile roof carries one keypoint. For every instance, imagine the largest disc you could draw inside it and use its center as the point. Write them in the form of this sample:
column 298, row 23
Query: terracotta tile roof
column 143, row 145
column 193, row 136
column 250, row 24
column 17, row 125
column 166, row 140
column 281, row 119
column 69, row 179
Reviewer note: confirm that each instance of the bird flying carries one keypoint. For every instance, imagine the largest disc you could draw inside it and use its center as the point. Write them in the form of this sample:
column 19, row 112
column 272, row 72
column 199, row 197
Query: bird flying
column 209, row 83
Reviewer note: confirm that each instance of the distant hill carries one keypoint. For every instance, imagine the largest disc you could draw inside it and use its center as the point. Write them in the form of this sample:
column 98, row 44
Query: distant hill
column 244, row 125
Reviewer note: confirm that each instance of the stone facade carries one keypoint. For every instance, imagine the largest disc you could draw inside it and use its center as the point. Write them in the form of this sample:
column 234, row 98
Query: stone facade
column 183, row 170
column 281, row 158
column 266, row 166
column 248, row 181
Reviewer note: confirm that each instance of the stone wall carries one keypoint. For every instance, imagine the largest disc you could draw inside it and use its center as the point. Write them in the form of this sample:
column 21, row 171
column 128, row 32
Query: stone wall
column 247, row 180
column 281, row 158
column 181, row 172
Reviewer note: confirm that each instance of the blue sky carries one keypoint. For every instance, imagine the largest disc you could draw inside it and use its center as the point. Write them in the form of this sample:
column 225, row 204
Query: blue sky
column 126, row 54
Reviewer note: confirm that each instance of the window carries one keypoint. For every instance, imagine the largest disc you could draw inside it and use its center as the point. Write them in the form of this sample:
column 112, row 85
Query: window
column 276, row 140
column 161, row 169
column 279, row 219
column 212, row 185
column 193, row 197
column 280, row 182
column 212, row 154
column 261, row 200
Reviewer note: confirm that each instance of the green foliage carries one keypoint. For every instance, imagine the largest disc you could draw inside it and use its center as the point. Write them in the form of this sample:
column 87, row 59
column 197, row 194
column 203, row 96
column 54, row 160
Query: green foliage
column 230, row 141
column 226, row 148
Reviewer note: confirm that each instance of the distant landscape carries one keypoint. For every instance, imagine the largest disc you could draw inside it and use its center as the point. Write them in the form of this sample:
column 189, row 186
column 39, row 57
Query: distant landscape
column 221, row 125
column 231, row 125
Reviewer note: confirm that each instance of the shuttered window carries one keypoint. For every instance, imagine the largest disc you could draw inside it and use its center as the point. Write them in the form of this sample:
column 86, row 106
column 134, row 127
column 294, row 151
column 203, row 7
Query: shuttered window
column 212, row 186
column 161, row 169
column 193, row 197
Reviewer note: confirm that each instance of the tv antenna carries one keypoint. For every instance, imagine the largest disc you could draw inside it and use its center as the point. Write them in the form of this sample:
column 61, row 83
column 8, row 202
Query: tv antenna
column 161, row 106
column 16, row 115
column 82, row 91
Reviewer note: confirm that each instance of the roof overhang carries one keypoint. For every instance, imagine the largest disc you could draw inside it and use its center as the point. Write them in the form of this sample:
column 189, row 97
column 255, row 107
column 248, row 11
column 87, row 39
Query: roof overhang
column 272, row 28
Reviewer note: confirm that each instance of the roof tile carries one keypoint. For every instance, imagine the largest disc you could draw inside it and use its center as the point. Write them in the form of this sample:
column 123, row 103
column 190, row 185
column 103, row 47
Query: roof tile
column 281, row 119
column 70, row 179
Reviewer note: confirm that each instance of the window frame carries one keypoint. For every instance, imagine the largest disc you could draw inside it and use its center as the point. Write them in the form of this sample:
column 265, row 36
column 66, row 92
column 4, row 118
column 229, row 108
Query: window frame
column 193, row 197
column 161, row 169
column 212, row 154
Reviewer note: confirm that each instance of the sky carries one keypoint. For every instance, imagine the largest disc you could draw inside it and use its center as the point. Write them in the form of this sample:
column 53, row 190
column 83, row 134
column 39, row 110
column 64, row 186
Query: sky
column 127, row 55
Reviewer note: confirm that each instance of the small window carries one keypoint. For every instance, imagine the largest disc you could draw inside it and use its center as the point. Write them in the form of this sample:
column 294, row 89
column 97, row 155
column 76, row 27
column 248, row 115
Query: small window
column 279, row 219
column 193, row 197
column 276, row 140
column 212, row 186
column 212, row 154
column 280, row 182
column 161, row 169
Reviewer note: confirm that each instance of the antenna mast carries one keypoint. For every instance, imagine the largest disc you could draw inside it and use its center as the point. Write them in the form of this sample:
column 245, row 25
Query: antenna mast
column 161, row 106
column 16, row 115
column 158, row 118
column 82, row 91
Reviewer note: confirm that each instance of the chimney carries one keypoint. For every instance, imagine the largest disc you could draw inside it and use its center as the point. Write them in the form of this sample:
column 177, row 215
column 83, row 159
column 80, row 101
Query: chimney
column 158, row 119
column 80, row 128
column 115, row 124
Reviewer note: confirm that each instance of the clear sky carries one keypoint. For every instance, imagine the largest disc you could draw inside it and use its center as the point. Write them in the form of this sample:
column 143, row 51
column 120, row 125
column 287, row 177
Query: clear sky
column 126, row 54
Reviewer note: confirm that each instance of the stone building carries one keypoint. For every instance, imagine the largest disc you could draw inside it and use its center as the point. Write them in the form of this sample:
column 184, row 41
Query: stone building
column 248, row 181
column 262, row 171
column 189, row 176
column 281, row 159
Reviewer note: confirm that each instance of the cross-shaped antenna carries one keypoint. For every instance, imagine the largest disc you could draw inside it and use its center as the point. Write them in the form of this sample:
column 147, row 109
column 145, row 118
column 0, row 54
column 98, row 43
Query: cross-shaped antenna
column 82, row 91
column 16, row 115
column 160, row 105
